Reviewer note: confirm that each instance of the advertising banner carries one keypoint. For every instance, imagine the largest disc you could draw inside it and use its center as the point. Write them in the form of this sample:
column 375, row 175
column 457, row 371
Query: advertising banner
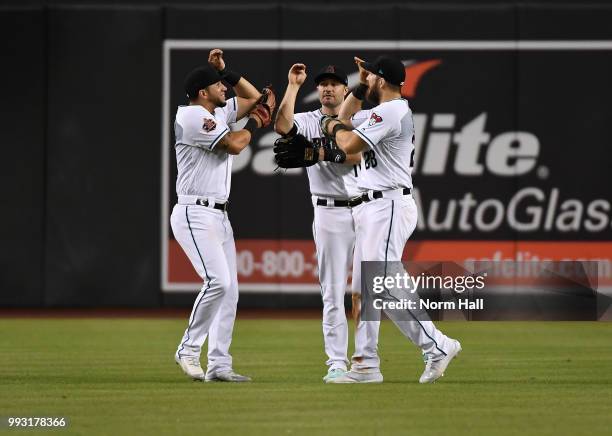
column 508, row 166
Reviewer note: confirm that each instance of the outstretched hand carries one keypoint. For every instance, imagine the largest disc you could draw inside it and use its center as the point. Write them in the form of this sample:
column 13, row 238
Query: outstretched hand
column 297, row 74
column 215, row 58
column 363, row 74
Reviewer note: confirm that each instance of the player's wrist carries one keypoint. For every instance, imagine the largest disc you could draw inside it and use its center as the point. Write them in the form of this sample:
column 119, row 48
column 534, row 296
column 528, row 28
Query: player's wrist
column 252, row 124
column 333, row 126
column 337, row 128
column 319, row 152
column 329, row 127
column 335, row 155
column 292, row 132
column 230, row 76
column 359, row 91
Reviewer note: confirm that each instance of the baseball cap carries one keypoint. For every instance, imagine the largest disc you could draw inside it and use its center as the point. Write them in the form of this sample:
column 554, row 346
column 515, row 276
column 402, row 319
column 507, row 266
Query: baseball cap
column 331, row 72
column 389, row 68
column 200, row 78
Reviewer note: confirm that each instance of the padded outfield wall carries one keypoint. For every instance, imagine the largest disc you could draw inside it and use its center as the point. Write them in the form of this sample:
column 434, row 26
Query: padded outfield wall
column 512, row 116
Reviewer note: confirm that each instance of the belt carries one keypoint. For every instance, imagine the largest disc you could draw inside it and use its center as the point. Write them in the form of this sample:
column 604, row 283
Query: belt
column 219, row 206
column 340, row 203
column 375, row 195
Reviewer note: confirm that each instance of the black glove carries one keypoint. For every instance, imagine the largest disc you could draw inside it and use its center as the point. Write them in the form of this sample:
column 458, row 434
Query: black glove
column 295, row 152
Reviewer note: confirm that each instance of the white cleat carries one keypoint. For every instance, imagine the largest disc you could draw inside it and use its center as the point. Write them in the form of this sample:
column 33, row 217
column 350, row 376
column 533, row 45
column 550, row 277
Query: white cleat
column 333, row 374
column 227, row 376
column 190, row 366
column 435, row 369
column 358, row 377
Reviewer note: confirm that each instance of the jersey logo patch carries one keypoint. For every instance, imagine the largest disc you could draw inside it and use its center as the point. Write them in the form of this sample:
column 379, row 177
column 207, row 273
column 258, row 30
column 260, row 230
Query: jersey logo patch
column 209, row 124
column 374, row 119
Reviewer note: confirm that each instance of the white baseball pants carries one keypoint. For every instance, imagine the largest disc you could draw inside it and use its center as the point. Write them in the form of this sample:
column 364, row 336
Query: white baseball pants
column 207, row 238
column 382, row 227
column 334, row 235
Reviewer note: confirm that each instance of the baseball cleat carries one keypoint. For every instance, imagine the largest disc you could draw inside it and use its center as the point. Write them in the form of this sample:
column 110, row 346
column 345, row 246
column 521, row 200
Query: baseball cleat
column 434, row 369
column 227, row 376
column 190, row 366
column 358, row 377
column 333, row 374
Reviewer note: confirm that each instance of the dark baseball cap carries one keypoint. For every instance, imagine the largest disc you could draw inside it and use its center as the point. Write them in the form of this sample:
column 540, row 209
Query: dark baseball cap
column 200, row 78
column 389, row 68
column 331, row 72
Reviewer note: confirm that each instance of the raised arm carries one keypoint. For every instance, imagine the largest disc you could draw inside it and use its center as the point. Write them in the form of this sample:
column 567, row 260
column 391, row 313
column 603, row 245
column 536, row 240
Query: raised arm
column 350, row 106
column 247, row 95
column 284, row 117
column 341, row 129
column 354, row 101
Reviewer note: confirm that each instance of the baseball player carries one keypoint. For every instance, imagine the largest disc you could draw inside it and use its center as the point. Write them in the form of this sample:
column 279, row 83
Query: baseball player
column 204, row 152
column 334, row 193
column 388, row 215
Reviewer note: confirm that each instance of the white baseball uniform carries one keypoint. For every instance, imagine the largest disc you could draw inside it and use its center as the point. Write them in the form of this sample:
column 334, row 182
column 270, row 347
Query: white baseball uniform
column 383, row 225
column 334, row 235
column 204, row 232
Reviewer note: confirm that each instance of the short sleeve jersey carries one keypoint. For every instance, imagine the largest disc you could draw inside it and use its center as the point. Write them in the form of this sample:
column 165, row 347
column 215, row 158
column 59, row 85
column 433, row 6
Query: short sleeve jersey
column 326, row 179
column 388, row 130
column 203, row 170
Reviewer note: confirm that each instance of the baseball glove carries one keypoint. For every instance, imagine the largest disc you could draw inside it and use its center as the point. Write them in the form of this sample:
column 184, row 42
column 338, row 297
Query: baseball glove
column 323, row 123
column 295, row 152
column 264, row 109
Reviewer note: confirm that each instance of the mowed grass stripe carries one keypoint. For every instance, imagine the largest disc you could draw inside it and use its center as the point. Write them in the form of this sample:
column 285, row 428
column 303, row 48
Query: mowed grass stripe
column 117, row 376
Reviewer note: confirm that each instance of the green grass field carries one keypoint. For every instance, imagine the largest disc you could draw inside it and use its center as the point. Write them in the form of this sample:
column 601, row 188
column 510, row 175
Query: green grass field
column 117, row 376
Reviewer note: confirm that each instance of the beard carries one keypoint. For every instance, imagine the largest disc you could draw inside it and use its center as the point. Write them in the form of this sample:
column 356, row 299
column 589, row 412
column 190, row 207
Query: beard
column 373, row 96
column 221, row 103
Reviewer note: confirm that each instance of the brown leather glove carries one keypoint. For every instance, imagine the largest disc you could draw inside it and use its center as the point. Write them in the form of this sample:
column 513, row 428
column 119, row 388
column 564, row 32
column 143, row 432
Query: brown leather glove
column 263, row 111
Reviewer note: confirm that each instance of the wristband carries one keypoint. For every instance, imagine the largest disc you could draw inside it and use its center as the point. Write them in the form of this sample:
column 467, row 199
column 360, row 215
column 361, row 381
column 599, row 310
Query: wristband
column 292, row 132
column 337, row 128
column 360, row 91
column 335, row 155
column 230, row 77
column 251, row 125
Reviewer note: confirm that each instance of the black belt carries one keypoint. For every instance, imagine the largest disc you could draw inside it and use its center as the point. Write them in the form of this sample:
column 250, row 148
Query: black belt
column 341, row 203
column 378, row 194
column 219, row 206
